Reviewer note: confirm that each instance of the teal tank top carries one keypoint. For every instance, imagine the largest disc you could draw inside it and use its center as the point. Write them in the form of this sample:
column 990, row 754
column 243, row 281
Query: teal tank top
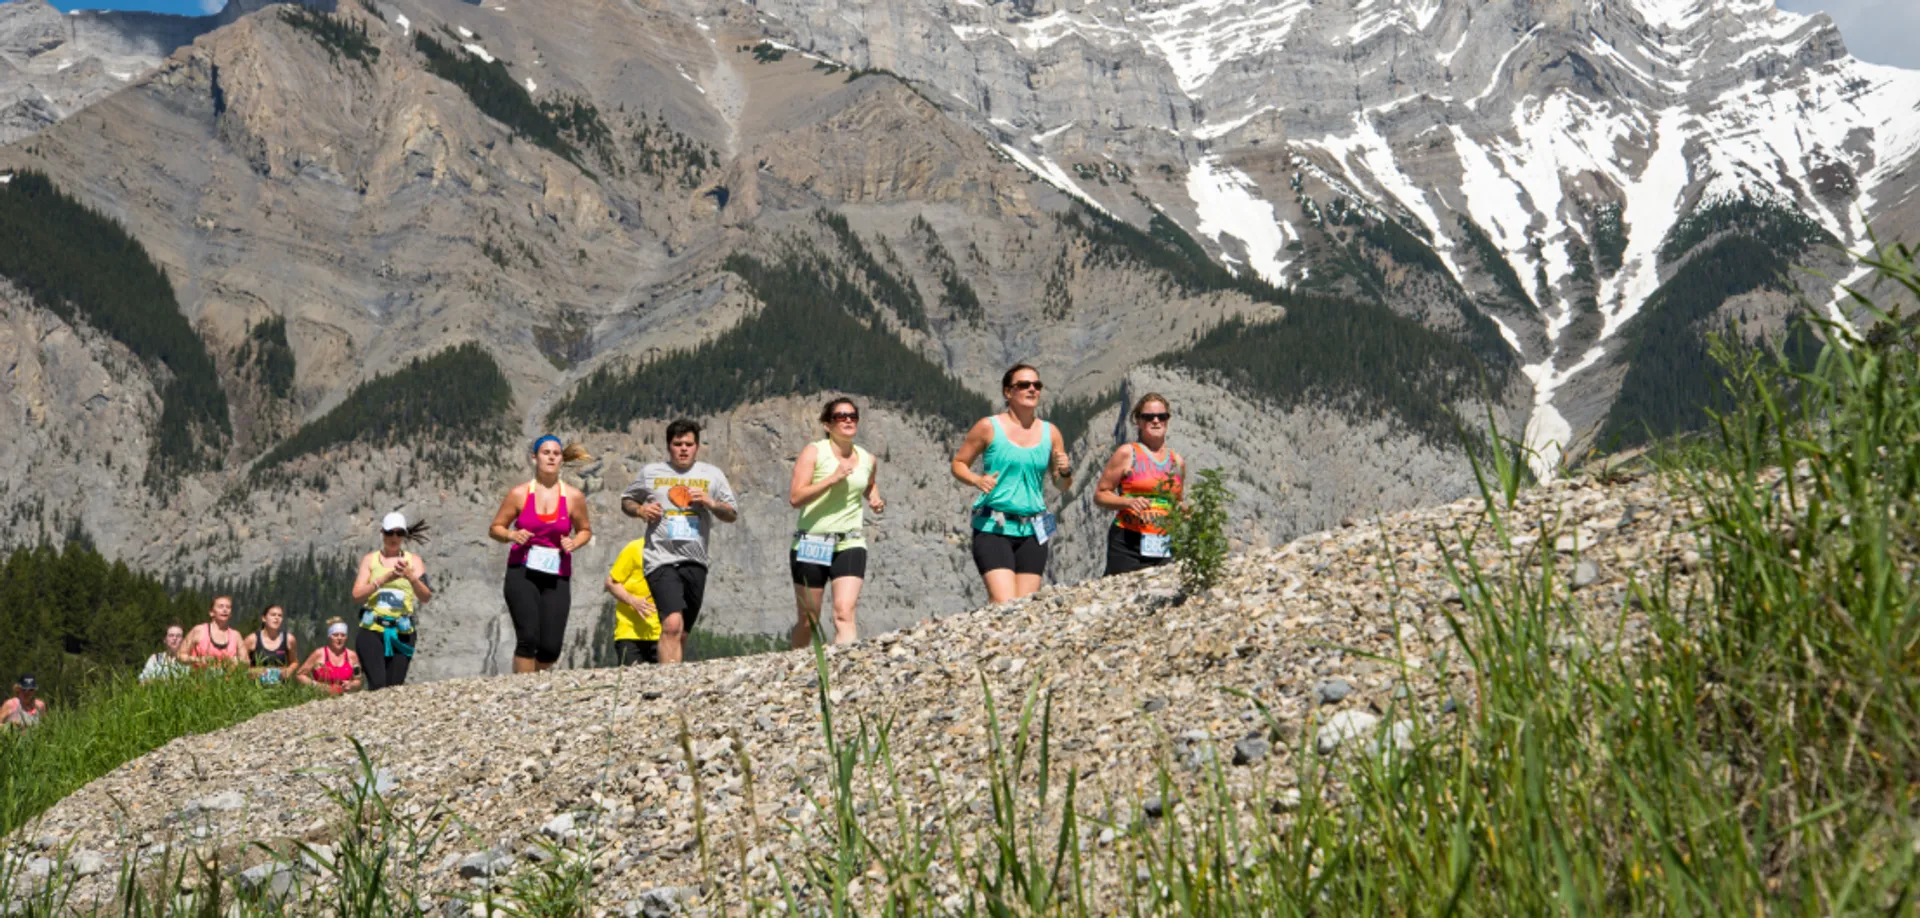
column 1021, row 489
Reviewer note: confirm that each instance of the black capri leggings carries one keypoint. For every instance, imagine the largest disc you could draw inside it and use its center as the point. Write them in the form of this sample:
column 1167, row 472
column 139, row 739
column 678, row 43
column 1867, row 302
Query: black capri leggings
column 381, row 670
column 538, row 605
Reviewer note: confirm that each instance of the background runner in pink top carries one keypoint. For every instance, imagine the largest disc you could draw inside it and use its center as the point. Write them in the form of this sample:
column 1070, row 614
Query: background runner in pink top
column 547, row 532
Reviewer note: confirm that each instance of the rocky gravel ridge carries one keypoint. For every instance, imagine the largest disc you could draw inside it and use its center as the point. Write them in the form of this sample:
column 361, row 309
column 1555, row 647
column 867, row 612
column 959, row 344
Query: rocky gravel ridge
column 594, row 761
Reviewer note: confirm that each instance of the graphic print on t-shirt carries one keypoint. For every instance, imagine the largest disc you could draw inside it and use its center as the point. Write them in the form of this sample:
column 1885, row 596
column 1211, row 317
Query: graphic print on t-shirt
column 681, row 533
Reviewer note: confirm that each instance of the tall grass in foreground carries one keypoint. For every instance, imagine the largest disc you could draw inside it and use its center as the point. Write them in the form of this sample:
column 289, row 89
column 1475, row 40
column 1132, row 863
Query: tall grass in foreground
column 116, row 722
column 1761, row 756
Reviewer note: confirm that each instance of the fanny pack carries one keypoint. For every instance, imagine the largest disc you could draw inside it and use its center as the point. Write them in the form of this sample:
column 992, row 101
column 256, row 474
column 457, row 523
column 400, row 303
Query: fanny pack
column 390, row 628
column 834, row 537
column 1043, row 523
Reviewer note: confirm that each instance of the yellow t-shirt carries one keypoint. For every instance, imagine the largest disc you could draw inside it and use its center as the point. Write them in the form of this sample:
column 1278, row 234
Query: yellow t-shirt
column 628, row 625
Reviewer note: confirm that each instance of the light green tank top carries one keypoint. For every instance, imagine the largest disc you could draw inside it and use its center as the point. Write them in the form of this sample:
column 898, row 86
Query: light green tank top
column 1021, row 488
column 838, row 510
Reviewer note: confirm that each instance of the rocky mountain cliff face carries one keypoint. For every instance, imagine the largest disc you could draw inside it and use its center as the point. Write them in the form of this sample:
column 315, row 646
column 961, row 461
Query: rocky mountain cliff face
column 1576, row 135
column 54, row 64
column 1434, row 213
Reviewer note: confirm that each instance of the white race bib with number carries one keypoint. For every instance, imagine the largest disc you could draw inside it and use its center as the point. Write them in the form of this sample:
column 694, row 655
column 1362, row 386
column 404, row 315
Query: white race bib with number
column 681, row 527
column 1156, row 546
column 1044, row 527
column 543, row 559
column 814, row 549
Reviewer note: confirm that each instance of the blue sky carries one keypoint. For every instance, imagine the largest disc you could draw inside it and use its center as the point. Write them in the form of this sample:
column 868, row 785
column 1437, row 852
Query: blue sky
column 1881, row 31
column 183, row 7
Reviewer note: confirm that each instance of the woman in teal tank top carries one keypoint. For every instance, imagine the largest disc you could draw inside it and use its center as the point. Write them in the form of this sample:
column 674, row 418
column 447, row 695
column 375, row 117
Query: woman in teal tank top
column 1011, row 526
column 830, row 479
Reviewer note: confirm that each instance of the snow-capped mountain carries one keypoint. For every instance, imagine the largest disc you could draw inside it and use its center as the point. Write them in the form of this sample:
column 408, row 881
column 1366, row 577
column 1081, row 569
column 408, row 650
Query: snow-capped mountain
column 1538, row 121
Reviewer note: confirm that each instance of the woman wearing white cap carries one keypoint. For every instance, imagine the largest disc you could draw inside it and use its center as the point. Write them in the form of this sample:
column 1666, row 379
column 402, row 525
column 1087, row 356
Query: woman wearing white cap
column 390, row 587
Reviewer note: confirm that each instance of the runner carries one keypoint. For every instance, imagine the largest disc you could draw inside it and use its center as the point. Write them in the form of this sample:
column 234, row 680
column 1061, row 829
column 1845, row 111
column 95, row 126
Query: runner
column 25, row 708
column 1142, row 481
column 333, row 667
column 213, row 644
column 636, row 623
column 830, row 477
column 546, row 522
column 271, row 651
column 165, row 664
column 390, row 587
column 1011, row 525
column 695, row 495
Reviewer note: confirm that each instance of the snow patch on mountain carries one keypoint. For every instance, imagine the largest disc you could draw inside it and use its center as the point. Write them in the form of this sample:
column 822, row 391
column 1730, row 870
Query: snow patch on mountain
column 1367, row 152
column 1051, row 173
column 1654, row 200
column 1229, row 203
column 1197, row 37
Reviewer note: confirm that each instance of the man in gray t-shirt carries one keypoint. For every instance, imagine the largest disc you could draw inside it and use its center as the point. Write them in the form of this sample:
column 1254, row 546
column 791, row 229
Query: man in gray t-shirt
column 679, row 499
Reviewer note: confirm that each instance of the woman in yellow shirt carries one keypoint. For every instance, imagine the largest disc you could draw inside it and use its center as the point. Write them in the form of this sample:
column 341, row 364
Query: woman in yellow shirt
column 636, row 623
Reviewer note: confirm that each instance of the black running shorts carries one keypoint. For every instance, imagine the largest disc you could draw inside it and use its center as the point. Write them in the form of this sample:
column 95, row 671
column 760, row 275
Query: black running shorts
column 679, row 588
column 1123, row 552
column 1020, row 554
column 850, row 562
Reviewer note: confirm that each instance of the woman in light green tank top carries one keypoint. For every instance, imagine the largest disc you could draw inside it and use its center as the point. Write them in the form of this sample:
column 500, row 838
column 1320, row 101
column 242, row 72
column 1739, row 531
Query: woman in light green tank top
column 831, row 477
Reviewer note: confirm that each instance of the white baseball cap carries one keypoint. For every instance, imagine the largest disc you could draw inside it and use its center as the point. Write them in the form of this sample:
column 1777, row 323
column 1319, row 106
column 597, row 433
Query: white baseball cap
column 394, row 521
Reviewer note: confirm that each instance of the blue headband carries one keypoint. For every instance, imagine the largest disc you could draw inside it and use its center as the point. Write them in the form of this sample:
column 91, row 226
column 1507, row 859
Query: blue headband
column 536, row 443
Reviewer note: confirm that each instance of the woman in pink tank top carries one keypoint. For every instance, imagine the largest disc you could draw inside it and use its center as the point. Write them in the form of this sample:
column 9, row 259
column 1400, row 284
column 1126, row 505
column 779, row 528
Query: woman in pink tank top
column 213, row 643
column 332, row 667
column 545, row 522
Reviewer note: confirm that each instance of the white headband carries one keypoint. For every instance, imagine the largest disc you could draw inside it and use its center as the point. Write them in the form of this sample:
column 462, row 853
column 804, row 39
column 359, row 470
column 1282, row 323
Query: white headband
column 337, row 628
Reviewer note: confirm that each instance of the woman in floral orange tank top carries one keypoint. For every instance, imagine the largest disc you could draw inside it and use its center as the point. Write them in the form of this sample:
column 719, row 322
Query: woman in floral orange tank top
column 1142, row 484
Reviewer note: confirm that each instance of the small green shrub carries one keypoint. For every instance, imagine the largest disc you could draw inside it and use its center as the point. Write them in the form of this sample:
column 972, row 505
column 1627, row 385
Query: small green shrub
column 1199, row 532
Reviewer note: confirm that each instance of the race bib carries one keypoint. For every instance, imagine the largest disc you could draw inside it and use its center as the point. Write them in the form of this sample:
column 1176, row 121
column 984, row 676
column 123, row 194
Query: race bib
column 543, row 559
column 1044, row 527
column 681, row 527
column 394, row 600
column 815, row 549
column 1156, row 546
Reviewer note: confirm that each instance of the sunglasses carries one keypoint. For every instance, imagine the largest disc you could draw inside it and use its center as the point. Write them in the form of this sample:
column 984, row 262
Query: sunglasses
column 844, row 416
column 1025, row 384
column 1148, row 417
column 393, row 532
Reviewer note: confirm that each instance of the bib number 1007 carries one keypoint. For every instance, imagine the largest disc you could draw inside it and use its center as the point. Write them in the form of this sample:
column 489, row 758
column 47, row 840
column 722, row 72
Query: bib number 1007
column 814, row 550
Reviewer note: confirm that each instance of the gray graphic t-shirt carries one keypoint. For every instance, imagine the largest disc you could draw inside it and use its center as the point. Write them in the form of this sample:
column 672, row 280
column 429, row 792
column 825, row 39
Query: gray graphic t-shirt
column 682, row 533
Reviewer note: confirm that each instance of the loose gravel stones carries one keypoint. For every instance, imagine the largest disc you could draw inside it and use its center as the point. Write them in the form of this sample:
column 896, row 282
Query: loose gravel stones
column 1332, row 629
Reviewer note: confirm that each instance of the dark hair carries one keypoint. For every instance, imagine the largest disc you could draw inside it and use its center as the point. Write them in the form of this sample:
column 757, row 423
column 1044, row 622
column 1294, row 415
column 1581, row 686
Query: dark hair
column 681, row 427
column 417, row 531
column 1006, row 379
column 1146, row 400
column 826, row 414
column 216, row 600
column 173, row 625
column 270, row 607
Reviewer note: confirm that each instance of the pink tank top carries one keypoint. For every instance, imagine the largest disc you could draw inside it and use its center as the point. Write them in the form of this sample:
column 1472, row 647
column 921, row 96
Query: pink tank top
column 547, row 531
column 329, row 671
column 205, row 647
